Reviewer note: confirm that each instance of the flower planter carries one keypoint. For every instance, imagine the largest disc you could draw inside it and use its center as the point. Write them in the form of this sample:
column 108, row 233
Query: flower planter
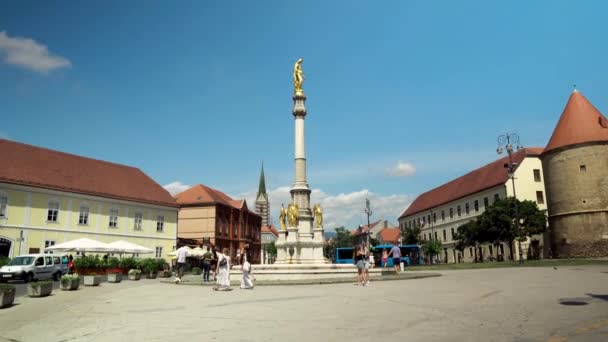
column 70, row 285
column 114, row 277
column 92, row 280
column 135, row 276
column 151, row 275
column 7, row 298
column 164, row 274
column 39, row 289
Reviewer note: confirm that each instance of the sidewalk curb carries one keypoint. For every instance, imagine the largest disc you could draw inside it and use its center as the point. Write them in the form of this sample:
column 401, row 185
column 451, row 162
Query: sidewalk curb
column 406, row 276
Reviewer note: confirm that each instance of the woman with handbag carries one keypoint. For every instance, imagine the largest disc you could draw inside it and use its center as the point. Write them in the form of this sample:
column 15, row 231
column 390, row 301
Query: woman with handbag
column 246, row 282
column 223, row 271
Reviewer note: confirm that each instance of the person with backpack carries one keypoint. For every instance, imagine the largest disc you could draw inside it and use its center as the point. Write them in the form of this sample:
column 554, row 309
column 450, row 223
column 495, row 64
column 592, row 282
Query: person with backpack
column 206, row 261
column 223, row 271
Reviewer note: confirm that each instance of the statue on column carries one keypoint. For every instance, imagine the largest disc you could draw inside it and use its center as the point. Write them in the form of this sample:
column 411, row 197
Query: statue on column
column 292, row 215
column 298, row 77
column 318, row 215
column 282, row 217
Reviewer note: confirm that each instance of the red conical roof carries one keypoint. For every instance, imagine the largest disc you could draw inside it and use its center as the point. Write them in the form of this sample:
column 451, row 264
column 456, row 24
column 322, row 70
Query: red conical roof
column 580, row 122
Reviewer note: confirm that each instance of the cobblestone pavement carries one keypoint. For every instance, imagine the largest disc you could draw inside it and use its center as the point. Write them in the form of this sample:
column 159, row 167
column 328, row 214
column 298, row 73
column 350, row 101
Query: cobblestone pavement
column 511, row 304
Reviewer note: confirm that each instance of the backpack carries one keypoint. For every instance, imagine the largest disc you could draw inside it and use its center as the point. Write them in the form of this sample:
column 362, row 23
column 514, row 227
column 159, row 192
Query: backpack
column 223, row 262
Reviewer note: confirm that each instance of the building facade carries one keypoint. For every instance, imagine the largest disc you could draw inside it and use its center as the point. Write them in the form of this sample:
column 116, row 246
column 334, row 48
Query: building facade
column 269, row 236
column 442, row 210
column 575, row 164
column 49, row 197
column 208, row 216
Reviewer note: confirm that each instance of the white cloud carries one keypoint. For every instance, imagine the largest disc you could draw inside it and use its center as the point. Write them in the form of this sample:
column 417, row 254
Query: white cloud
column 401, row 169
column 344, row 209
column 176, row 187
column 29, row 54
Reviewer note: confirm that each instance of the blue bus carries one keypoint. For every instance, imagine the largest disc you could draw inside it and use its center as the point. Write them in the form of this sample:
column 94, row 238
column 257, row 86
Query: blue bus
column 410, row 255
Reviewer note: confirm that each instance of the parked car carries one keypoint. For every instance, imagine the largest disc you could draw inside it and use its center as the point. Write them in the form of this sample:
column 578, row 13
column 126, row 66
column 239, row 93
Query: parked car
column 34, row 267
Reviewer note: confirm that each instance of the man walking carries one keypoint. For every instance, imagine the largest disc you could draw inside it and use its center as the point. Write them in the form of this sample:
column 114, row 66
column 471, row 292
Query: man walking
column 182, row 253
column 207, row 257
column 396, row 255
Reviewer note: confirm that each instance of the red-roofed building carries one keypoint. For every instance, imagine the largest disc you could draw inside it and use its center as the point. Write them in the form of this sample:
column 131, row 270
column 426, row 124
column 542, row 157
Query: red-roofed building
column 442, row 210
column 575, row 164
column 269, row 235
column 389, row 235
column 49, row 197
column 207, row 215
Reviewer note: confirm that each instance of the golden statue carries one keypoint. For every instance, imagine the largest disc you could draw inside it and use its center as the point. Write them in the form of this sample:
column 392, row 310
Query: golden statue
column 298, row 78
column 318, row 215
column 292, row 215
column 282, row 216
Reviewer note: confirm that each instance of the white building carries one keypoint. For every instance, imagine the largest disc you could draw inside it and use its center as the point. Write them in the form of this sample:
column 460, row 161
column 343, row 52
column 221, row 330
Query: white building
column 442, row 210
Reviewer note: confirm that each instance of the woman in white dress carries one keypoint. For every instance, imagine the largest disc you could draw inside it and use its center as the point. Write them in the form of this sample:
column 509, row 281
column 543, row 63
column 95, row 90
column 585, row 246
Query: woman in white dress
column 223, row 271
column 246, row 282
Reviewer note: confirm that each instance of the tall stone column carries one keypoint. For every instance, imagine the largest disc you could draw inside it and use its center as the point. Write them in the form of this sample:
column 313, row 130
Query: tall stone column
column 300, row 191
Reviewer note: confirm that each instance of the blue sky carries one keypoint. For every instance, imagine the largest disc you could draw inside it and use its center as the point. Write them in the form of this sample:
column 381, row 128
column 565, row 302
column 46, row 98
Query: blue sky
column 200, row 91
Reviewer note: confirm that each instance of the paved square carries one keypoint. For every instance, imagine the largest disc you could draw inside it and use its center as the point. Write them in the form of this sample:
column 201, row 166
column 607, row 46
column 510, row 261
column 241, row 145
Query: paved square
column 511, row 304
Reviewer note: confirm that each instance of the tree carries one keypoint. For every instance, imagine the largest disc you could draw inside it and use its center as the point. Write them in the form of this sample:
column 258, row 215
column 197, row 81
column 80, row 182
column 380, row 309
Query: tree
column 344, row 238
column 468, row 234
column 431, row 247
column 497, row 223
column 411, row 236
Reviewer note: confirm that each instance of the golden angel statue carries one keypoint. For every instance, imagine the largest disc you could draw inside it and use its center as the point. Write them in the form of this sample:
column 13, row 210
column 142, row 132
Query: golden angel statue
column 318, row 215
column 282, row 217
column 298, row 77
column 292, row 215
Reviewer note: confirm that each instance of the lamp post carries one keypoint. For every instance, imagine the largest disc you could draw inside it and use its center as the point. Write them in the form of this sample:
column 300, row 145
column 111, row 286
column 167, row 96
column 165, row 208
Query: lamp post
column 368, row 212
column 508, row 140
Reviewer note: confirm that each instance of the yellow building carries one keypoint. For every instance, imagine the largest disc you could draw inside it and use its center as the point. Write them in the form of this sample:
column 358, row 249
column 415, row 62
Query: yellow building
column 49, row 197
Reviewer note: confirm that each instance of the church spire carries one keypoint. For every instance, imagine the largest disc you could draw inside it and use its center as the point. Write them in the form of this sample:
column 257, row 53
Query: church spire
column 262, row 187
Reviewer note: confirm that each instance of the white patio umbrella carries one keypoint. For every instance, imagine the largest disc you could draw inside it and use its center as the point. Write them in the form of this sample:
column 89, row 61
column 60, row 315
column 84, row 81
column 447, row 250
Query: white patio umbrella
column 196, row 252
column 82, row 245
column 122, row 246
column 174, row 253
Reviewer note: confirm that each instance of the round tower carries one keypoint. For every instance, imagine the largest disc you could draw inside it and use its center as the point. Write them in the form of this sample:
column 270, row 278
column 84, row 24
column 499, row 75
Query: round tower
column 575, row 167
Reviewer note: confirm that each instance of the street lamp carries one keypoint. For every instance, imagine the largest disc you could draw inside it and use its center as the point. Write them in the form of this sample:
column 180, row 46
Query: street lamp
column 508, row 140
column 368, row 212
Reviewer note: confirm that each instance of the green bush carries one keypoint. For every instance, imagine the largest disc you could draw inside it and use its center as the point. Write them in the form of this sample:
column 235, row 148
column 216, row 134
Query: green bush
column 128, row 263
column 7, row 288
column 4, row 260
column 196, row 271
column 40, row 283
column 113, row 262
column 160, row 264
column 66, row 278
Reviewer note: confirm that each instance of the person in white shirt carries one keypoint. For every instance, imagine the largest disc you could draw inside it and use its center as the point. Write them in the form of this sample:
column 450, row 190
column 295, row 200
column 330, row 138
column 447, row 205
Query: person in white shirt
column 182, row 253
column 223, row 271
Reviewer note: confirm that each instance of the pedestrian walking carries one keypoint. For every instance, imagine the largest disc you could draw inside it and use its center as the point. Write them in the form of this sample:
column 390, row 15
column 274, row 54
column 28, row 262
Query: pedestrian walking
column 246, row 282
column 396, row 255
column 223, row 271
column 368, row 264
column 206, row 261
column 384, row 258
column 359, row 258
column 182, row 253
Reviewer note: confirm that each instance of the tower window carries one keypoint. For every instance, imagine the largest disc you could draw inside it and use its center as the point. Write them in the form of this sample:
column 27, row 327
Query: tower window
column 583, row 169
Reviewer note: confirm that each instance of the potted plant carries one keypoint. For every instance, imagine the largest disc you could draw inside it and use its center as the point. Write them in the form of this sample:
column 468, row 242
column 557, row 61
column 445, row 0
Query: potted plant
column 149, row 268
column 134, row 274
column 163, row 268
column 92, row 279
column 70, row 282
column 7, row 295
column 40, row 288
column 127, row 264
column 113, row 270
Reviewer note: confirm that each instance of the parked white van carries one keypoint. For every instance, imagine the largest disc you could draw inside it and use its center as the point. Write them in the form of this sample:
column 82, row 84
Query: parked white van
column 35, row 267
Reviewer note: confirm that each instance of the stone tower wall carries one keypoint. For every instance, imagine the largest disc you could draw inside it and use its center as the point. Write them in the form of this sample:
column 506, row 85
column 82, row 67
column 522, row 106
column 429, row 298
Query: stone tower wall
column 576, row 181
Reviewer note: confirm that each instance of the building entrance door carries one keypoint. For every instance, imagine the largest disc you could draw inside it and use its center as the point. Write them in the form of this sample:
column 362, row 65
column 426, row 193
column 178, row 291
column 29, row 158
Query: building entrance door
column 5, row 247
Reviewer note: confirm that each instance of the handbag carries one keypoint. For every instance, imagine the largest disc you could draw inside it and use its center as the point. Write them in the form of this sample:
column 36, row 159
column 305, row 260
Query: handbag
column 223, row 262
